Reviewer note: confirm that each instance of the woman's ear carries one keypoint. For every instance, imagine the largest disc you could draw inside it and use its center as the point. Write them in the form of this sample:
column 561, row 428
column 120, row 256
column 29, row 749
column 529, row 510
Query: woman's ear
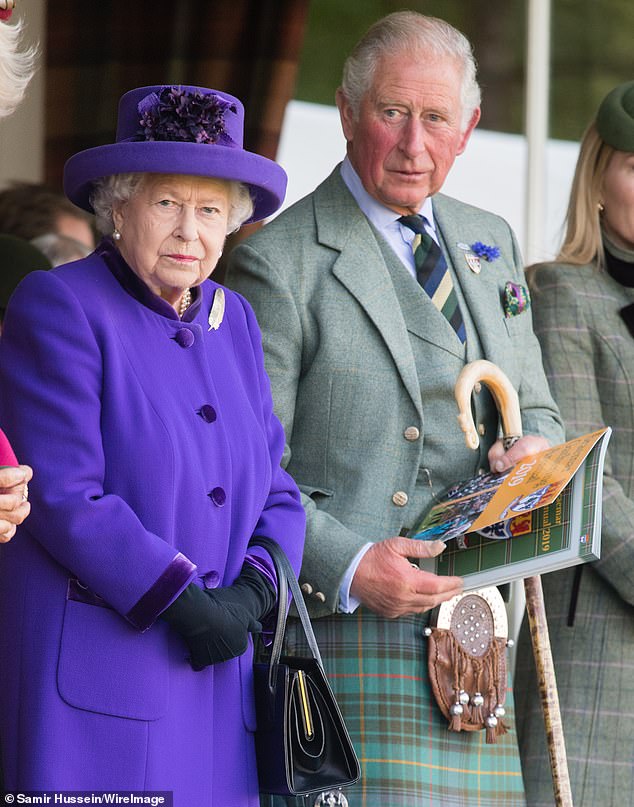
column 117, row 214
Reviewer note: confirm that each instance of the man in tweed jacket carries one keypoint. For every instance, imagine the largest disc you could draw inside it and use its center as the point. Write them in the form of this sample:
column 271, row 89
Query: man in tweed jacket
column 363, row 367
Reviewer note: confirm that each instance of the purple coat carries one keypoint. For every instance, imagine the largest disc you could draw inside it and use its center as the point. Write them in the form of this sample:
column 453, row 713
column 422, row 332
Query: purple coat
column 156, row 457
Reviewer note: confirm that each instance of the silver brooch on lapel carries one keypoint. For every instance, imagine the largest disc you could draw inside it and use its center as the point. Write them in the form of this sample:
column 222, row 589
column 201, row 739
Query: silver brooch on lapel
column 473, row 260
column 477, row 251
column 217, row 312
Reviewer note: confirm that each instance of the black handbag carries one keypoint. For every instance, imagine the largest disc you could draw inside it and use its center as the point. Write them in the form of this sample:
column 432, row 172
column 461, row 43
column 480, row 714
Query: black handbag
column 302, row 744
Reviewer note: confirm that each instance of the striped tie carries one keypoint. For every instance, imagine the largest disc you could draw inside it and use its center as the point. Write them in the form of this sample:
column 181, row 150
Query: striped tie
column 433, row 274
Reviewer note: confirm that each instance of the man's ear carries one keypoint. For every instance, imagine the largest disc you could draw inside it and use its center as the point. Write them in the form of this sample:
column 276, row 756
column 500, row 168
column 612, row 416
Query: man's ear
column 345, row 114
column 467, row 132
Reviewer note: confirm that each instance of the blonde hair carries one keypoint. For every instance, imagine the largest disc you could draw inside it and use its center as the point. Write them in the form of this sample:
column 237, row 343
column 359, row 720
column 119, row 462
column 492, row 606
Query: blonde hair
column 582, row 242
column 411, row 32
column 16, row 67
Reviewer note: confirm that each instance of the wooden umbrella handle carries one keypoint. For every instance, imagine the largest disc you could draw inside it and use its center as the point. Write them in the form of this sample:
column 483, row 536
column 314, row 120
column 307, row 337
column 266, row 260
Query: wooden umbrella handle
column 507, row 402
column 503, row 393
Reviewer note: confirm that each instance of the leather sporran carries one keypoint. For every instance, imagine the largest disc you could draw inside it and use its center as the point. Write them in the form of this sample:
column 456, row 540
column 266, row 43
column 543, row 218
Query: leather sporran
column 467, row 661
column 302, row 744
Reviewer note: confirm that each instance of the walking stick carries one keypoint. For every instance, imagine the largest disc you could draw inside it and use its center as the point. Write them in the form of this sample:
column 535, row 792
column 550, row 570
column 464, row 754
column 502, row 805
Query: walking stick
column 507, row 403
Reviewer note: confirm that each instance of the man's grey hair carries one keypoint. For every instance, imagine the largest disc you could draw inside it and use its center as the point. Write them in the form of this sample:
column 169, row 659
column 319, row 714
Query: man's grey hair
column 414, row 33
column 17, row 66
column 112, row 190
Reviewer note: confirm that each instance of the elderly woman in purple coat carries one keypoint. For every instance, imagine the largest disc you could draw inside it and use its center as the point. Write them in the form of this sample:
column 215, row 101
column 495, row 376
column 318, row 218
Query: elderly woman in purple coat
column 136, row 387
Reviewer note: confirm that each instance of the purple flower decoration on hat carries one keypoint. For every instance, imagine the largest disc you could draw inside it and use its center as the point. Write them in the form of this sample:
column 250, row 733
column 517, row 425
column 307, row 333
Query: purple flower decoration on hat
column 484, row 251
column 175, row 114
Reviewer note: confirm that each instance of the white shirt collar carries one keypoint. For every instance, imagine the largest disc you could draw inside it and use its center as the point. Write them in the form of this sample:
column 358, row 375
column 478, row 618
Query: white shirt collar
column 380, row 216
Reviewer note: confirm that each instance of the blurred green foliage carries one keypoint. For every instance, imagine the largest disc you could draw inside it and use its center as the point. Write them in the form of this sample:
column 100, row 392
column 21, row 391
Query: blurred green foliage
column 591, row 51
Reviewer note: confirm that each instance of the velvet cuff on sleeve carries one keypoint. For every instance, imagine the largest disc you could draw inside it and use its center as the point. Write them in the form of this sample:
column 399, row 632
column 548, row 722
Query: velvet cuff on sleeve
column 169, row 585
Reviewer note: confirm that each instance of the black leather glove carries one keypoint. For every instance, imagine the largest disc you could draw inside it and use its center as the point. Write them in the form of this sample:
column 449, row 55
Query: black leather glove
column 215, row 623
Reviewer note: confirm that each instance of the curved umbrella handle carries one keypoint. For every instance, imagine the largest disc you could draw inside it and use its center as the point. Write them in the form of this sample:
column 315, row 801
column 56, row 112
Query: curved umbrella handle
column 503, row 393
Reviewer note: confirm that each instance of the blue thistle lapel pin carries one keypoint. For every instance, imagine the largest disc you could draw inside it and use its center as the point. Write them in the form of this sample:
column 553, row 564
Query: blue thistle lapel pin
column 476, row 252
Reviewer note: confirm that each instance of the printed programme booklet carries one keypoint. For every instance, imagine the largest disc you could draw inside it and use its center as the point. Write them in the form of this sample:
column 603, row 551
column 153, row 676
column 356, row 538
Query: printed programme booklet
column 541, row 515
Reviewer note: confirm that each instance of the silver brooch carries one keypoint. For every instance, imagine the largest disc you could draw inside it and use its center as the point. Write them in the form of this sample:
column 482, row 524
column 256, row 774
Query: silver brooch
column 217, row 313
column 473, row 262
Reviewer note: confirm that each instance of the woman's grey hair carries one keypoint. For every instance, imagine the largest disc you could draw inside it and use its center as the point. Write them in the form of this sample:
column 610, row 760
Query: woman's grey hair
column 410, row 32
column 118, row 188
column 16, row 67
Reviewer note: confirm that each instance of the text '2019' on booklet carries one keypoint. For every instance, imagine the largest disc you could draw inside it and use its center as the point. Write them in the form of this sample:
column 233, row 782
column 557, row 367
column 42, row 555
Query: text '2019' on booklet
column 541, row 515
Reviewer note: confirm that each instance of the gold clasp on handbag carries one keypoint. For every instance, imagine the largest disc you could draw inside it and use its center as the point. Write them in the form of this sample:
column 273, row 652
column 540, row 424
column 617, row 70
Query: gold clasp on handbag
column 307, row 717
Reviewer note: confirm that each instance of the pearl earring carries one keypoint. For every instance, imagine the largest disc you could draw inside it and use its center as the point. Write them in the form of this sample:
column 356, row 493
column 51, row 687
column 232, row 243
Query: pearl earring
column 116, row 235
column 600, row 207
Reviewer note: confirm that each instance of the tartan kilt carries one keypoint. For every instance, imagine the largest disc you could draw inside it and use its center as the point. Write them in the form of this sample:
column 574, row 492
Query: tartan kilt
column 378, row 671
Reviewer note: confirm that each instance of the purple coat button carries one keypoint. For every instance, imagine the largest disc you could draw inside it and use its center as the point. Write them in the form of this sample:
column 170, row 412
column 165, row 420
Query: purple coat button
column 218, row 496
column 184, row 337
column 207, row 413
column 211, row 579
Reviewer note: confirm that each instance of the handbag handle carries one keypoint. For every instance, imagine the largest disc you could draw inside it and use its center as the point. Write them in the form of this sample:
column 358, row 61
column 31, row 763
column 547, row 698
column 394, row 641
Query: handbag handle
column 285, row 579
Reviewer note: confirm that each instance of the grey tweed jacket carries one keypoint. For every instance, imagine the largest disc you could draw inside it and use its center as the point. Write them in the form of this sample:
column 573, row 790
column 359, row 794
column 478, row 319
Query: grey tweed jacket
column 341, row 327
column 589, row 359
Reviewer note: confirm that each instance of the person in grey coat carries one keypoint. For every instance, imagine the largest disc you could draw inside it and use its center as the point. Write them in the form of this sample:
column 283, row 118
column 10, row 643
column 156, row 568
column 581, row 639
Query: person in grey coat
column 583, row 307
column 363, row 366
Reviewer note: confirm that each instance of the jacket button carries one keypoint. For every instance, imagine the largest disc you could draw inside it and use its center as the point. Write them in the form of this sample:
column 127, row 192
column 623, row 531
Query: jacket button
column 184, row 337
column 307, row 588
column 207, row 413
column 481, row 429
column 319, row 595
column 211, row 579
column 411, row 433
column 400, row 498
column 218, row 496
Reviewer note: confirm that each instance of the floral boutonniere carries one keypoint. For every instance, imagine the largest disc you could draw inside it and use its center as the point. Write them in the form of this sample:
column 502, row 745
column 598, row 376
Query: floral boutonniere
column 478, row 251
column 484, row 251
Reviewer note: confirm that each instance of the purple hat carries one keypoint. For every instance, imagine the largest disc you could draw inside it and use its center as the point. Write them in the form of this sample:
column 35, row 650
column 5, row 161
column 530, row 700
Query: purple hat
column 175, row 129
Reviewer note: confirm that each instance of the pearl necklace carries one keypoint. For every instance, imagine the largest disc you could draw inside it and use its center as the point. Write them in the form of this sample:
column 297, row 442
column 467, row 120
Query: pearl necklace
column 185, row 302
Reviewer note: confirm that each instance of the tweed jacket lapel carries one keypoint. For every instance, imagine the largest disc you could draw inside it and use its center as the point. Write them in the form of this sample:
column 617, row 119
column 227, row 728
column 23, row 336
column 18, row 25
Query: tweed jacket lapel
column 480, row 290
column 361, row 269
